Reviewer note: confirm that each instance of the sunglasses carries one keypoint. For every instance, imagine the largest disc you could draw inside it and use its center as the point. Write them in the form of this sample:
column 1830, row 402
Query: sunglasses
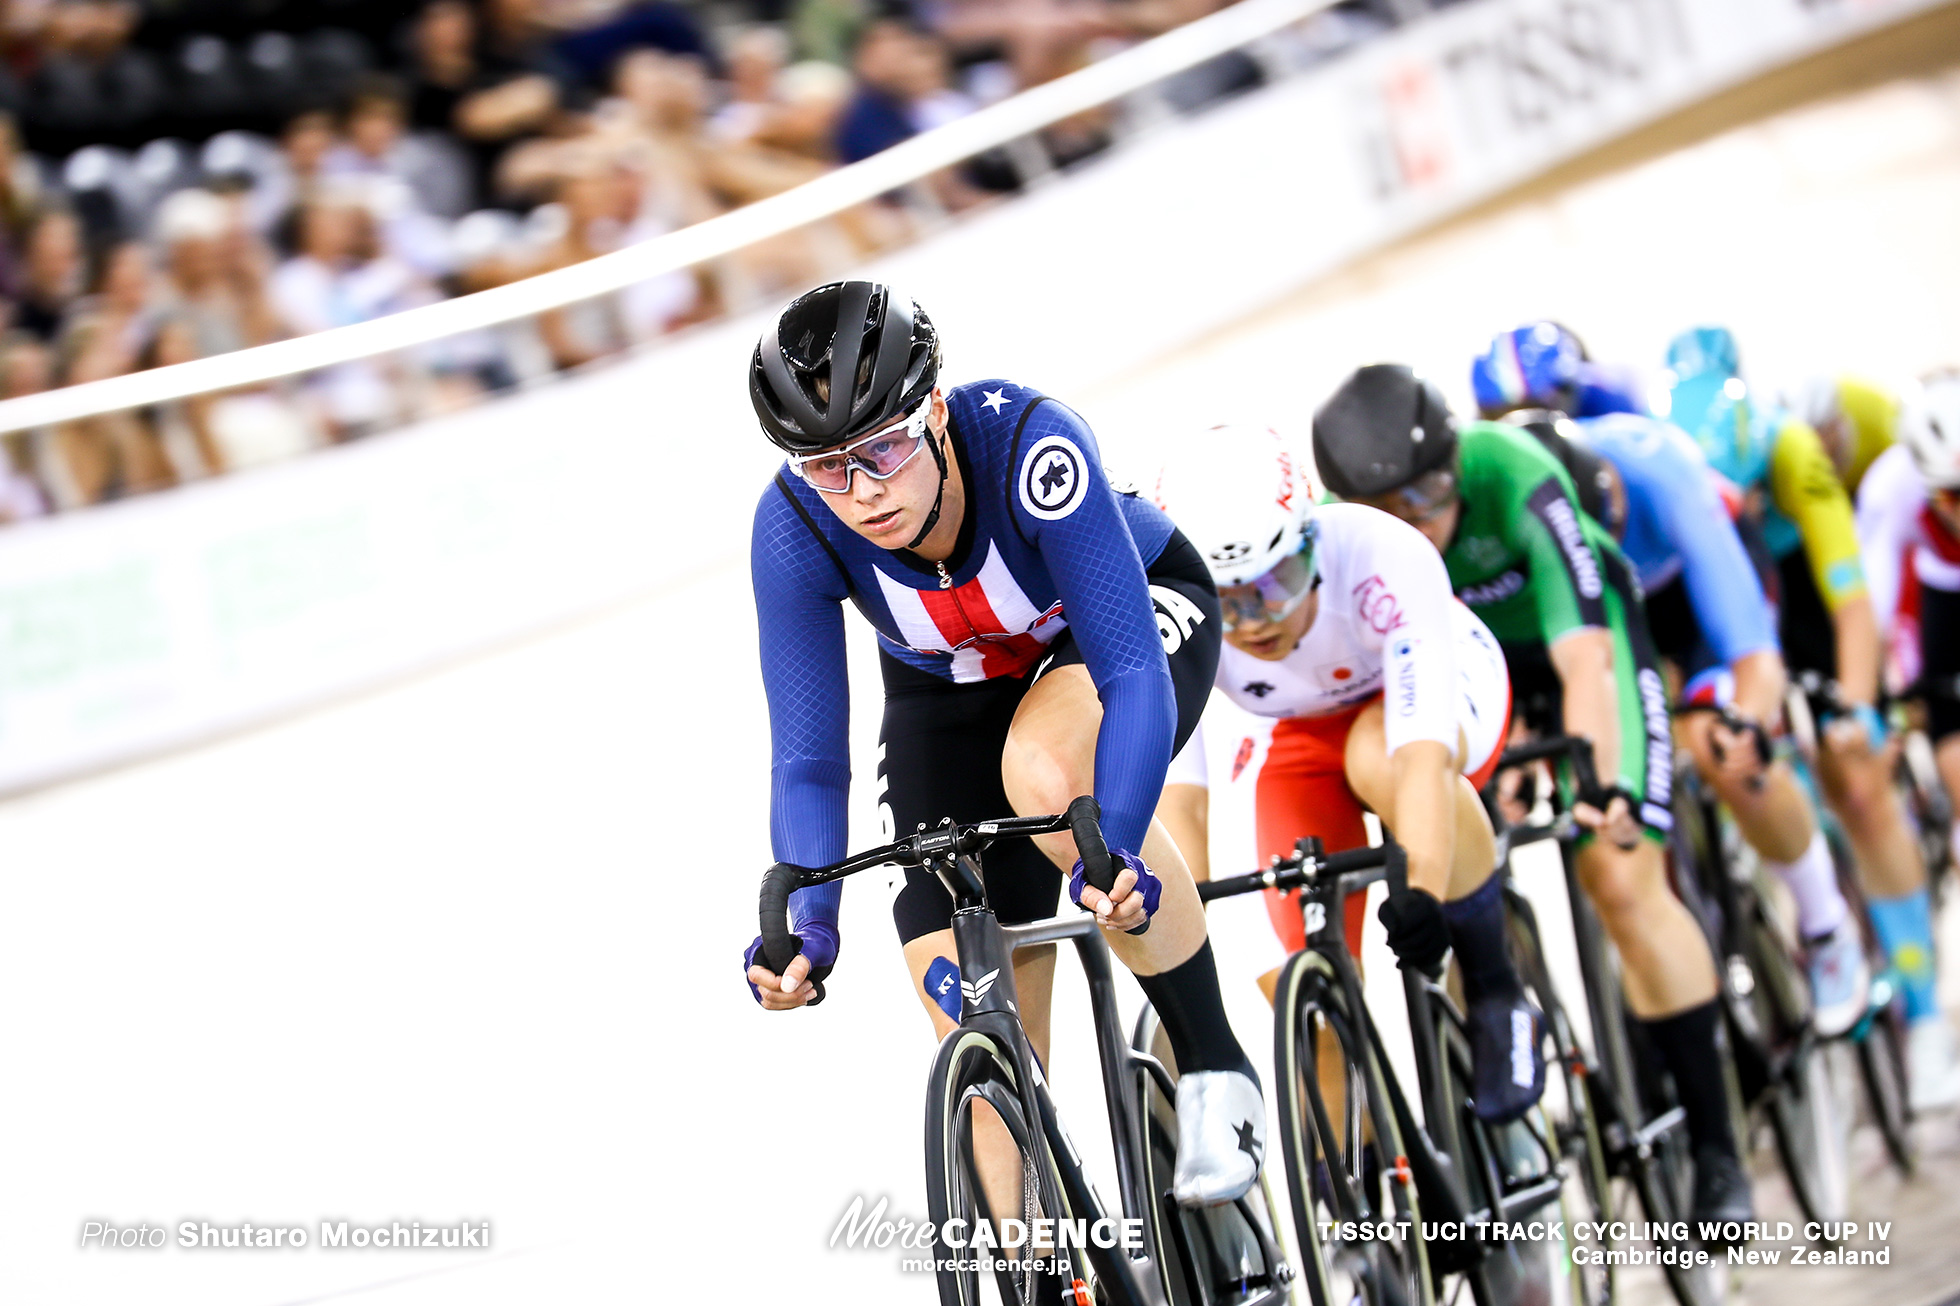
column 878, row 455
column 1274, row 596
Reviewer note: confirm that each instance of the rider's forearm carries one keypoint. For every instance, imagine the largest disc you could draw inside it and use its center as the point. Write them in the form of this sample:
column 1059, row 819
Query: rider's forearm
column 1759, row 684
column 1584, row 662
column 1857, row 650
column 1424, row 819
column 1133, row 750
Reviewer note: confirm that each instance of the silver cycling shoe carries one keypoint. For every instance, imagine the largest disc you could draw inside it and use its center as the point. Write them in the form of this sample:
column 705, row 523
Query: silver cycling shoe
column 1221, row 1136
column 1840, row 979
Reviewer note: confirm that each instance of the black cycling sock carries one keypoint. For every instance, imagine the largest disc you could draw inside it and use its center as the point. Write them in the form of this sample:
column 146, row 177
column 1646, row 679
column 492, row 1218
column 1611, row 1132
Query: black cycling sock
column 1188, row 1002
column 1687, row 1046
column 1477, row 934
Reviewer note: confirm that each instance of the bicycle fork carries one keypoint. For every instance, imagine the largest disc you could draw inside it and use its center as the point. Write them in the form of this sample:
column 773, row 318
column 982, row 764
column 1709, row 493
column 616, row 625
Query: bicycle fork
column 989, row 1000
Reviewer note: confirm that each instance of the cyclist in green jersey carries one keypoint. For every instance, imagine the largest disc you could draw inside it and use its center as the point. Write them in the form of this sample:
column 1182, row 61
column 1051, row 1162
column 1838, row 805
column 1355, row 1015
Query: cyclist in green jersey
column 1558, row 594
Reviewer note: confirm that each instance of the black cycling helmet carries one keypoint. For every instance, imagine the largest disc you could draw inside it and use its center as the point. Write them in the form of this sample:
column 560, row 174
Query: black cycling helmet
column 1381, row 429
column 859, row 329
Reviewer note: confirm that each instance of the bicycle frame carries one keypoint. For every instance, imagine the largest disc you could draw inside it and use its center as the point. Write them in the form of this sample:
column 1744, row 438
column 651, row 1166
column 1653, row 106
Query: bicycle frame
column 985, row 948
column 1612, row 1061
column 1324, row 883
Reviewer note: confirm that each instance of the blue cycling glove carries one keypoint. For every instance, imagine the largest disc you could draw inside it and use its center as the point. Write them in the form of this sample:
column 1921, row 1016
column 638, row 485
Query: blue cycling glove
column 1148, row 884
column 816, row 940
column 1873, row 722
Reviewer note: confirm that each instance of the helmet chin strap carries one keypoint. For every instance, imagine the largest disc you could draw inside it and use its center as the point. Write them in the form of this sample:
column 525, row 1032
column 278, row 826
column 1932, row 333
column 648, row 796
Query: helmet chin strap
column 938, row 500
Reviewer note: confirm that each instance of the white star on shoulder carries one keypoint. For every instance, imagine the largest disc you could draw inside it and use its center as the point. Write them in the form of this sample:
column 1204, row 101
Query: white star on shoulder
column 996, row 400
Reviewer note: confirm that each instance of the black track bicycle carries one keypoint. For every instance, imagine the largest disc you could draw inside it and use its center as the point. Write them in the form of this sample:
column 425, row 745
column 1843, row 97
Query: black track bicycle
column 1878, row 1041
column 1365, row 1174
column 1618, row 1124
column 987, row 1086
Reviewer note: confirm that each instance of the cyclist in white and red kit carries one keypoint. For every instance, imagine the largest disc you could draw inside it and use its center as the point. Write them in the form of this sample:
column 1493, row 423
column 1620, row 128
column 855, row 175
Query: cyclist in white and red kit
column 1389, row 695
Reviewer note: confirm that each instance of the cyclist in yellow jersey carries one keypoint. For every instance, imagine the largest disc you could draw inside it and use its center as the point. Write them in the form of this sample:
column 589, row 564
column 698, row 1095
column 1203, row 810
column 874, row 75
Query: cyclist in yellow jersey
column 1825, row 618
column 1856, row 419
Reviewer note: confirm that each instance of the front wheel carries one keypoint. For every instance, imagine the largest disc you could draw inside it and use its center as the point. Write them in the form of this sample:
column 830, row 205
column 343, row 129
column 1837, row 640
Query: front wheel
column 1810, row 1113
column 1882, row 1066
column 1574, row 1130
column 1344, row 1157
column 984, row 1165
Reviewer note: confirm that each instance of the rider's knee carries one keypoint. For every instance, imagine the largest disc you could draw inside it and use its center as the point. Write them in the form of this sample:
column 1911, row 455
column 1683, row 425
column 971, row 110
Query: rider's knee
column 1863, row 801
column 1039, row 778
column 1623, row 886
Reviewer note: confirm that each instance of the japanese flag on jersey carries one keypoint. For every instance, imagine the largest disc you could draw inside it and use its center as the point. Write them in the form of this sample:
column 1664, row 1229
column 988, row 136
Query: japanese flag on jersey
column 989, row 624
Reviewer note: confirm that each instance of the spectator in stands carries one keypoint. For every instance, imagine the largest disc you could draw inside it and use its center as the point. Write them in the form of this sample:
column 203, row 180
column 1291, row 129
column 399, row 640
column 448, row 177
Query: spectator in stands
column 92, row 87
column 121, row 314
column 878, row 116
column 903, row 89
column 756, row 57
column 932, row 99
column 21, row 496
column 214, row 274
column 521, row 87
column 116, row 454
column 309, row 138
column 188, row 427
column 26, row 367
column 20, row 188
column 1040, row 39
column 443, row 71
column 376, row 143
column 812, row 97
column 53, row 271
column 339, row 276
column 592, row 53
column 596, row 205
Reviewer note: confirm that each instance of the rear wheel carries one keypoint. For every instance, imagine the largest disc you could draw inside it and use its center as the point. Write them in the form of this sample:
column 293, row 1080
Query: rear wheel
column 972, row 1101
column 1810, row 1114
column 1344, row 1155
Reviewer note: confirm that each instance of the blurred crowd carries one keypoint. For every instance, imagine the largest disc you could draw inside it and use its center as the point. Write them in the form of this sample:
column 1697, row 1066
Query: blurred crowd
column 181, row 178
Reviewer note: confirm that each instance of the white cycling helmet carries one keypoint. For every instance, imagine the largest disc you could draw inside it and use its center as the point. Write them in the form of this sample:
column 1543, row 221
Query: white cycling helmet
column 1929, row 425
column 1244, row 495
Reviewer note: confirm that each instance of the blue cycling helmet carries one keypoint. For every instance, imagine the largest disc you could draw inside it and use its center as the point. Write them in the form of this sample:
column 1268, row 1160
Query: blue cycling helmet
column 1710, row 401
column 1532, row 366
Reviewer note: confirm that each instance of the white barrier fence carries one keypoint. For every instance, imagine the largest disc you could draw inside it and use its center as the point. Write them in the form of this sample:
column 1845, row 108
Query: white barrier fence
column 150, row 623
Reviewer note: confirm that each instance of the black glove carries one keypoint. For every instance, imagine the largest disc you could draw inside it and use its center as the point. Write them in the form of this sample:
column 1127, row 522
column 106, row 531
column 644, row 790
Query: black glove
column 1417, row 931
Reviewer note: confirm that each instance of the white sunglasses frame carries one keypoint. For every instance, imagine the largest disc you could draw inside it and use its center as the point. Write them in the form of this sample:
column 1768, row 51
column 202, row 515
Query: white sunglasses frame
column 916, row 422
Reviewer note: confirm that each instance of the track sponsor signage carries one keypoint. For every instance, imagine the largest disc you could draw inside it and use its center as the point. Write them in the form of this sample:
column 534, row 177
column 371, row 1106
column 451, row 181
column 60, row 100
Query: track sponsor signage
column 1489, row 92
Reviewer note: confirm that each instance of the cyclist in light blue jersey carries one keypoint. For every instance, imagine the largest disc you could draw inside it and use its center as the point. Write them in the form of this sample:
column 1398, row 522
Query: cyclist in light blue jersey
column 1710, row 617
